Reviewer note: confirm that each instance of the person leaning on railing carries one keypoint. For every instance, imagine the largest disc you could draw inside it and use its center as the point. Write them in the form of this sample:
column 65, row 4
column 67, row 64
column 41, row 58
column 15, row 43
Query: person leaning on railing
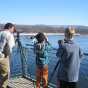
column 6, row 44
column 70, row 56
column 41, row 48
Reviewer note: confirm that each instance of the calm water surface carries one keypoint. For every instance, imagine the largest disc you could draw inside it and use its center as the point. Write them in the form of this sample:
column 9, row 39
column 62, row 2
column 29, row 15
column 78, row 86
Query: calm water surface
column 30, row 61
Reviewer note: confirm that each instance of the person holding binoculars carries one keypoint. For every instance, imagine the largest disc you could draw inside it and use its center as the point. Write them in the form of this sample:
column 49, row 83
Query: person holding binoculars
column 70, row 56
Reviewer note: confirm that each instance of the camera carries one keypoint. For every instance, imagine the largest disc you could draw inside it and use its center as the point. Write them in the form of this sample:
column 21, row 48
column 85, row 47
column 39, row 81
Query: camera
column 32, row 37
column 60, row 42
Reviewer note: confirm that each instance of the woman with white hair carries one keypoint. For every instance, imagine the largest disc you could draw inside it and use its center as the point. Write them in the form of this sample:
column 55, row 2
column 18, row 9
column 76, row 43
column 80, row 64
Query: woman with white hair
column 70, row 56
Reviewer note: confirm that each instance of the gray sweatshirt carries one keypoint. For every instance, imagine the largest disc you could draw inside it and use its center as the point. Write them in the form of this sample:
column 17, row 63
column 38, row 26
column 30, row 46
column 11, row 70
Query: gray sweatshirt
column 70, row 56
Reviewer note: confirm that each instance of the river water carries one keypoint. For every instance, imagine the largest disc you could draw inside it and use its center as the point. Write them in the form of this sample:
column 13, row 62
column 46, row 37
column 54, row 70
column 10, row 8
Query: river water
column 30, row 58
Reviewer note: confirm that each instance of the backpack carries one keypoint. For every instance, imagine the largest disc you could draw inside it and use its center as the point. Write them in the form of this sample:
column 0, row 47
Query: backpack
column 40, row 49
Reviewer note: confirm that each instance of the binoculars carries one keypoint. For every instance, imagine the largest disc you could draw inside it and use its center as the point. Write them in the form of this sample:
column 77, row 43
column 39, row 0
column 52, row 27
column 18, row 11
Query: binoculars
column 60, row 42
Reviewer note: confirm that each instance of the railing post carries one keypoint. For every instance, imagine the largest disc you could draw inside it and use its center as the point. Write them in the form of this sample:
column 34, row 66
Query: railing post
column 23, row 55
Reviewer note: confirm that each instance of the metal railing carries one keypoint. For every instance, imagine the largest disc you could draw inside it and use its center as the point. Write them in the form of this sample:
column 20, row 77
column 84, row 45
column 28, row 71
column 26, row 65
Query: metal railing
column 23, row 64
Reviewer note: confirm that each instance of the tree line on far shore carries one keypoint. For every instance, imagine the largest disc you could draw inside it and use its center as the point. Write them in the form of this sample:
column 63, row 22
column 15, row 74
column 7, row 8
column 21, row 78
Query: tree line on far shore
column 48, row 28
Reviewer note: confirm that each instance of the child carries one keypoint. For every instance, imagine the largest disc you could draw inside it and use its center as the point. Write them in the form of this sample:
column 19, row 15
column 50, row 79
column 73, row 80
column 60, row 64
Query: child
column 41, row 51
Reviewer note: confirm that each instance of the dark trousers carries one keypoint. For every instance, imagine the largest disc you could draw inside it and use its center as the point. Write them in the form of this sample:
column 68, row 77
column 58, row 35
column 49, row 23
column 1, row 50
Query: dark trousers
column 64, row 84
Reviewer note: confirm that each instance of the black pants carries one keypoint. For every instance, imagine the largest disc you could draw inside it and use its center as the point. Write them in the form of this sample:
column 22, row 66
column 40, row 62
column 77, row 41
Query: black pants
column 64, row 84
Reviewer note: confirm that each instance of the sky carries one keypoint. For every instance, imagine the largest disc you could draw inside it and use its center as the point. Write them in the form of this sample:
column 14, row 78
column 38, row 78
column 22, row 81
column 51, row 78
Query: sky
column 48, row 12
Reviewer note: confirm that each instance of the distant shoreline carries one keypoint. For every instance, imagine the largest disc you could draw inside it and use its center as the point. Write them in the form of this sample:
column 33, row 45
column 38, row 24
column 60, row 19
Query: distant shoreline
column 46, row 34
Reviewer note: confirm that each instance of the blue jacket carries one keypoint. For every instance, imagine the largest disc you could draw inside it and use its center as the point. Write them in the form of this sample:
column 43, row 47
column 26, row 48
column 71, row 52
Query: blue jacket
column 43, row 60
column 70, row 56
